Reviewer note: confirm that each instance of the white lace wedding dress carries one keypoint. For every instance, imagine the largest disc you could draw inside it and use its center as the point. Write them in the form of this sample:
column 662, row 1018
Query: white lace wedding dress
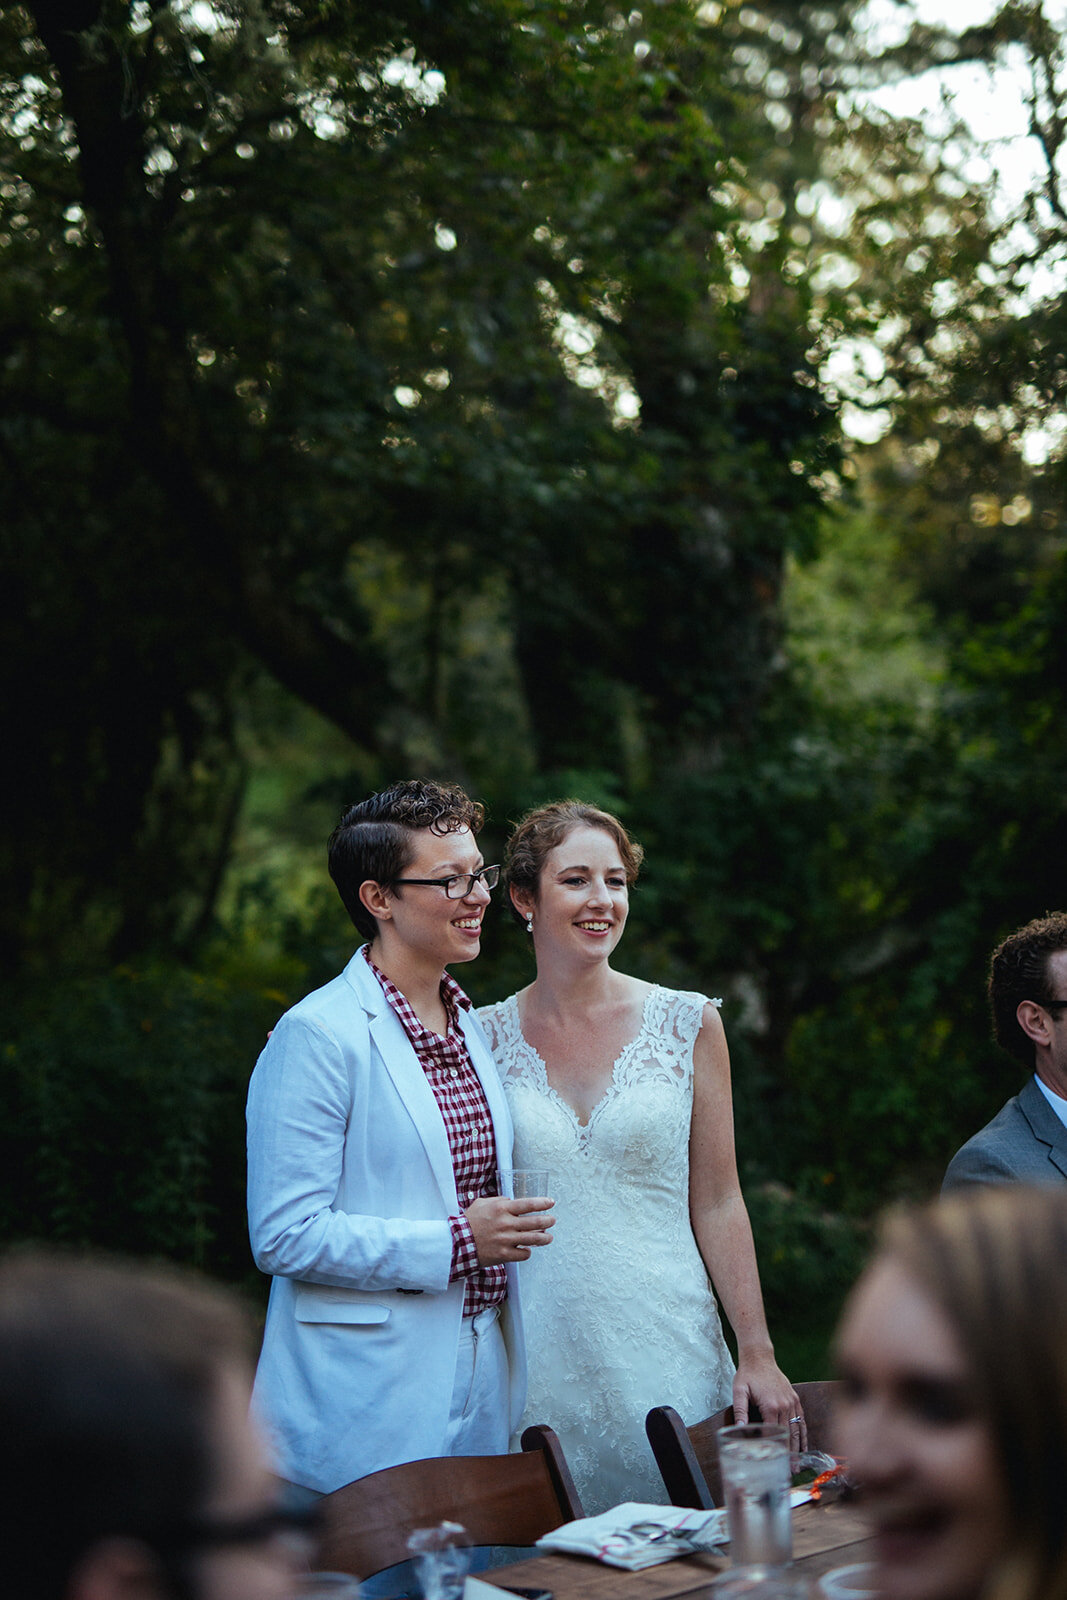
column 618, row 1310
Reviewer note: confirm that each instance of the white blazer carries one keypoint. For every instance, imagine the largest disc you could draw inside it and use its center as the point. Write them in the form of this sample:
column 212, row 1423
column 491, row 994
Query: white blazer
column 350, row 1188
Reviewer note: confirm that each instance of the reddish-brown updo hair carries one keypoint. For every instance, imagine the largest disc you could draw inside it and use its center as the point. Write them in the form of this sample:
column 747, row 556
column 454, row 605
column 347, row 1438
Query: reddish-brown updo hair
column 543, row 828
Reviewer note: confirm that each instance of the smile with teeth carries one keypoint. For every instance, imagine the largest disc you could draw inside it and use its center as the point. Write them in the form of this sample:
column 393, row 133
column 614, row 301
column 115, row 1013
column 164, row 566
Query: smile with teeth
column 595, row 927
column 467, row 922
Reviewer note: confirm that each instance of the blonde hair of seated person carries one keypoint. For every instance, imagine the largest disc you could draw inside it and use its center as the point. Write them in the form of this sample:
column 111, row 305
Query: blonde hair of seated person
column 993, row 1261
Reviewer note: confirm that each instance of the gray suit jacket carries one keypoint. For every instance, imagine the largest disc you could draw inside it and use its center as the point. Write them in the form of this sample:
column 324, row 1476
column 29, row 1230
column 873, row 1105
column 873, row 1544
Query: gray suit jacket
column 1025, row 1143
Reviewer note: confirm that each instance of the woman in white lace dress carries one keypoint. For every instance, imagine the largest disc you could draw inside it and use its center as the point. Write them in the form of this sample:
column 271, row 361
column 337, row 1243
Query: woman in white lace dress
column 622, row 1090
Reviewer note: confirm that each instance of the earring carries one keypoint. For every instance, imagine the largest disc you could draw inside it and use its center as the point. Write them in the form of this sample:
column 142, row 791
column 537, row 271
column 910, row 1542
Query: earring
column 529, row 922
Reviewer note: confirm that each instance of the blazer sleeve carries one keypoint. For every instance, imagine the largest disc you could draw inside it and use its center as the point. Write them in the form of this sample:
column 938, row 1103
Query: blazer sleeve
column 300, row 1101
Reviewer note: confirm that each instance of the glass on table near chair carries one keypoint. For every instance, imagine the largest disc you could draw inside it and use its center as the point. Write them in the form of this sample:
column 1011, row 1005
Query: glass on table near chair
column 754, row 1460
column 760, row 1583
column 855, row 1582
column 326, row 1586
column 441, row 1557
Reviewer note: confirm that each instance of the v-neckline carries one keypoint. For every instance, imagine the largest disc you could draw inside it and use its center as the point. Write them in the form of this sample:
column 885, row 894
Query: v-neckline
column 612, row 1084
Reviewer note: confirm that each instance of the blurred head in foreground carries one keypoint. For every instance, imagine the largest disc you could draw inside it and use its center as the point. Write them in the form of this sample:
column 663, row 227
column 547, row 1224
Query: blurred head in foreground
column 128, row 1464
column 953, row 1352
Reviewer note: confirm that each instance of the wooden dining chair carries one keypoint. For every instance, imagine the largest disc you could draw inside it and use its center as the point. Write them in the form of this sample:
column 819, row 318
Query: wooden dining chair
column 688, row 1458
column 500, row 1500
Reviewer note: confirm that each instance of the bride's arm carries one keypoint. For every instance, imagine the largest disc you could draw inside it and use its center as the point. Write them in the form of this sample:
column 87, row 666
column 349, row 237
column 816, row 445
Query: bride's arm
column 724, row 1234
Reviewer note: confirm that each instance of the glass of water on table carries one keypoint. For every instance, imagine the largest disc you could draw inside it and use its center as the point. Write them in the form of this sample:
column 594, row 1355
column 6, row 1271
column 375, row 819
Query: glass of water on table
column 754, row 1459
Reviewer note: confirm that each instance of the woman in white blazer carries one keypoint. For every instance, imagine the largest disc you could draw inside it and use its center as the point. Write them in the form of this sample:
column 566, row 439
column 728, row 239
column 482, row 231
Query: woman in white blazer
column 351, row 1185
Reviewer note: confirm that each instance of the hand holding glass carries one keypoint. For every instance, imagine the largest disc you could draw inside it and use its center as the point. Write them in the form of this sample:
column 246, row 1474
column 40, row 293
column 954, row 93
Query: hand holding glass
column 524, row 1183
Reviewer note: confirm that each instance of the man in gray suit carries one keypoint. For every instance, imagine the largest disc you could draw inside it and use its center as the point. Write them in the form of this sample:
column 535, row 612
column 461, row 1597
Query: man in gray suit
column 1026, row 1142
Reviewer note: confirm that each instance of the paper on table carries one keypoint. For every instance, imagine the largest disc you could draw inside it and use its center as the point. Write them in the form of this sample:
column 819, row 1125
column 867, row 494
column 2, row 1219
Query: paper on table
column 475, row 1589
column 611, row 1539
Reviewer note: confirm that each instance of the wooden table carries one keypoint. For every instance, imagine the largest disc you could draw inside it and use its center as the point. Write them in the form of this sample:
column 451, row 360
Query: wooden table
column 823, row 1537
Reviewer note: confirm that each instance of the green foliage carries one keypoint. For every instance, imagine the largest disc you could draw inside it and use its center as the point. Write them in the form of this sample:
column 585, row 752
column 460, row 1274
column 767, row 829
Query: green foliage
column 430, row 361
column 123, row 1114
column 445, row 389
column 809, row 1259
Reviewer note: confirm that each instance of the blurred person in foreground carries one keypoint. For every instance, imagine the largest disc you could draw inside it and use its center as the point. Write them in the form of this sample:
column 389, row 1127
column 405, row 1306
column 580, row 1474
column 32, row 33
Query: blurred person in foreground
column 1027, row 1139
column 130, row 1467
column 953, row 1356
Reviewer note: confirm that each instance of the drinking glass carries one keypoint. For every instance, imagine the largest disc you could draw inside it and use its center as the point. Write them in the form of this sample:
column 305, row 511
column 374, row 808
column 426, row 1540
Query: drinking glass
column 754, row 1458
column 855, row 1582
column 441, row 1557
column 760, row 1583
column 326, row 1586
column 524, row 1183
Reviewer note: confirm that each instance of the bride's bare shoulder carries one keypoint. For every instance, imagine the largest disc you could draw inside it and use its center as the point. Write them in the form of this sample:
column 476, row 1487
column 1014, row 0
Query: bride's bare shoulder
column 631, row 988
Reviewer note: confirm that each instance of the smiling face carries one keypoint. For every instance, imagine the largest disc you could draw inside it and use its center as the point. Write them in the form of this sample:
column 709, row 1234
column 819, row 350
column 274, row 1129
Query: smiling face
column 420, row 919
column 582, row 900
column 916, row 1442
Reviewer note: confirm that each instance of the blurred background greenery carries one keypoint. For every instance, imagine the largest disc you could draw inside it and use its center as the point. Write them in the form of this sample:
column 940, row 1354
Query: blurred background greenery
column 564, row 399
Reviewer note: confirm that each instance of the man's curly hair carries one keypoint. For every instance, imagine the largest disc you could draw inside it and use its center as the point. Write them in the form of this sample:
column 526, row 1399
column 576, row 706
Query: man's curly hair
column 373, row 839
column 1019, row 970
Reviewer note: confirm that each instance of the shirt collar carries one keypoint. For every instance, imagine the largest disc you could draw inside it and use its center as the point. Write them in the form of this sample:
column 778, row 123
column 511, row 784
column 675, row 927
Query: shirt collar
column 1056, row 1101
column 455, row 998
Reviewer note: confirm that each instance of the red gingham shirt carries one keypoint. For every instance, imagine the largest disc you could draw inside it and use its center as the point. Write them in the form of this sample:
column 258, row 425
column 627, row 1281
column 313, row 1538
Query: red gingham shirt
column 461, row 1100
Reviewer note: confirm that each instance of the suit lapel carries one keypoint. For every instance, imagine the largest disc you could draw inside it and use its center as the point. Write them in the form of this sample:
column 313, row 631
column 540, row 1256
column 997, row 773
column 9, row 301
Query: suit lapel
column 1046, row 1124
column 402, row 1064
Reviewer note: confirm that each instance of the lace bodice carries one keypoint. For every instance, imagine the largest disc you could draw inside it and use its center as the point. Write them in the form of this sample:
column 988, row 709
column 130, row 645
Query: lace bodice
column 618, row 1310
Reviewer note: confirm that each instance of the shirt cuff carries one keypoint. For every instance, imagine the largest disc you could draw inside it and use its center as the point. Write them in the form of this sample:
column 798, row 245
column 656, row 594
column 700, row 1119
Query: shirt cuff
column 464, row 1249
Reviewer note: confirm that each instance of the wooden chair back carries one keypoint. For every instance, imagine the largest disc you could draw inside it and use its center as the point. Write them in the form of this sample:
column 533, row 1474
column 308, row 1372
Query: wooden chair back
column 505, row 1500
column 688, row 1458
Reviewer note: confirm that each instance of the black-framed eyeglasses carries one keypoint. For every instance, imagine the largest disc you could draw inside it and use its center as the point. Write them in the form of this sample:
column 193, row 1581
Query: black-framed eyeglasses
column 292, row 1525
column 460, row 884
column 1052, row 1005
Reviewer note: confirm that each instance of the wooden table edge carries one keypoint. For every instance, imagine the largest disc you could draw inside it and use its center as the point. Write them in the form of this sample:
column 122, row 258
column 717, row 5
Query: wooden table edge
column 823, row 1538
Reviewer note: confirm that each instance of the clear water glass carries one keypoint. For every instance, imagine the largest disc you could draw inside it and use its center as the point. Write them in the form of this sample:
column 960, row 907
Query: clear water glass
column 754, row 1459
column 524, row 1183
column 441, row 1557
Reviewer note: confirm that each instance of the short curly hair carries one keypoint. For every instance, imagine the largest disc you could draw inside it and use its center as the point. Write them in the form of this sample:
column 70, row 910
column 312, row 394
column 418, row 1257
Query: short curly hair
column 1019, row 970
column 373, row 839
column 543, row 828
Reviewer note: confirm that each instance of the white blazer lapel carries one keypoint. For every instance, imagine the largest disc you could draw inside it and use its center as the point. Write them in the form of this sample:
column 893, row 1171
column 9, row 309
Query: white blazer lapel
column 394, row 1047
column 485, row 1067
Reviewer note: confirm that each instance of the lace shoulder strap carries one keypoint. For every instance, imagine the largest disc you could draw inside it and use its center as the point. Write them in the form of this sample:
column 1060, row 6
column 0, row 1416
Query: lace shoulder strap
column 492, row 1020
column 664, row 1046
column 501, row 1024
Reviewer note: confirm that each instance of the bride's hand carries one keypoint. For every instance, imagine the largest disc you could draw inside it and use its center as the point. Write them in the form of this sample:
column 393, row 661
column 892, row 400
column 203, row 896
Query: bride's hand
column 762, row 1384
column 506, row 1230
